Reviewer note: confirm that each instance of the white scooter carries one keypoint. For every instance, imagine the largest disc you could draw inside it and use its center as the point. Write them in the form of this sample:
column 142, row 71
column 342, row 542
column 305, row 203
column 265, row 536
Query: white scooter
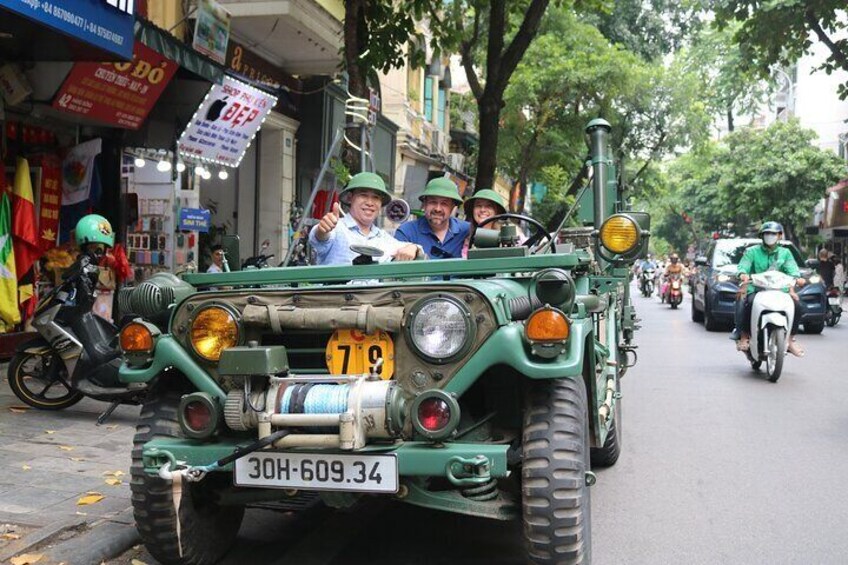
column 771, row 321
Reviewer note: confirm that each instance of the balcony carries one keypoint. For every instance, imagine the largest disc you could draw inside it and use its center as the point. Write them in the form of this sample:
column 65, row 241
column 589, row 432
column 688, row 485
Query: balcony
column 303, row 37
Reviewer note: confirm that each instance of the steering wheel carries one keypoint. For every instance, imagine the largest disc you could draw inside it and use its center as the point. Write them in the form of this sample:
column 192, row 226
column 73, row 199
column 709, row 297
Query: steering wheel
column 539, row 233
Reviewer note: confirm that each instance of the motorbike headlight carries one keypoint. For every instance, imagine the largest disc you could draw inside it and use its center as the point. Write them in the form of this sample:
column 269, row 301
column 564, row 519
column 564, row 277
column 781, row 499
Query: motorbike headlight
column 213, row 330
column 722, row 278
column 440, row 329
column 815, row 279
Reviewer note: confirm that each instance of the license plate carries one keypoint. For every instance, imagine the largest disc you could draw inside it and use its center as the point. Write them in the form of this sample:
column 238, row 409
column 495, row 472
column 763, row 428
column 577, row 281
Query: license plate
column 318, row 471
column 833, row 300
column 352, row 352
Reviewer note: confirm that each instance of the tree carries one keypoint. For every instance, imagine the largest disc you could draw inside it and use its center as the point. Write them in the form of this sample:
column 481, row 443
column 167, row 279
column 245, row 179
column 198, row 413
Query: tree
column 491, row 37
column 757, row 175
column 779, row 31
column 569, row 75
column 729, row 85
column 650, row 29
column 376, row 35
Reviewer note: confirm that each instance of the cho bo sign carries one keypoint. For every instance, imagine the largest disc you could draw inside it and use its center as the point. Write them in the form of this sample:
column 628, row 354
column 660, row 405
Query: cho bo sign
column 226, row 122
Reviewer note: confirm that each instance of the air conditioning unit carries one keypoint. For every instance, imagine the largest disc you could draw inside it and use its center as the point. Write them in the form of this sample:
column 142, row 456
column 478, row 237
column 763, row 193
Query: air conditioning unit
column 456, row 161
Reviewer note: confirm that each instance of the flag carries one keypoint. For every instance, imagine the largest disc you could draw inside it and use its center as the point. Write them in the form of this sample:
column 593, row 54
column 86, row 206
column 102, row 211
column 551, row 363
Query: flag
column 50, row 201
column 9, row 312
column 24, row 232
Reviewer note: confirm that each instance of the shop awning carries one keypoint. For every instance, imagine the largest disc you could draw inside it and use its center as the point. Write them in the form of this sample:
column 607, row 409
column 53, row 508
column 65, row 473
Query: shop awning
column 166, row 44
column 838, row 186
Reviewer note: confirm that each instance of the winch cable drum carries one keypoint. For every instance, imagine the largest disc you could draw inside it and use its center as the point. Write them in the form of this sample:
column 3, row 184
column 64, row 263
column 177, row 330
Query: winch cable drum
column 360, row 408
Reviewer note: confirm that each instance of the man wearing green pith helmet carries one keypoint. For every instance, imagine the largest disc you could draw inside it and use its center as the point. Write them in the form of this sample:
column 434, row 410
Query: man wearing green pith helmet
column 438, row 232
column 364, row 196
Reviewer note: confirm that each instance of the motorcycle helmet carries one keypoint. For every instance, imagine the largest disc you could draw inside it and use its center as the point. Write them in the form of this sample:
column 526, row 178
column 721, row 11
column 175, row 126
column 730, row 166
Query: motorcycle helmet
column 94, row 228
column 770, row 227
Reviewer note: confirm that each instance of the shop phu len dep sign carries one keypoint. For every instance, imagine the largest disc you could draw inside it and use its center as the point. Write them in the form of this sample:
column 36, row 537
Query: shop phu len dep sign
column 120, row 94
column 226, row 122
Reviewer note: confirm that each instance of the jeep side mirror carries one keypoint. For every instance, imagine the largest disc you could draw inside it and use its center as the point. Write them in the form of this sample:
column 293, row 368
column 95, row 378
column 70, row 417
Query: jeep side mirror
column 702, row 261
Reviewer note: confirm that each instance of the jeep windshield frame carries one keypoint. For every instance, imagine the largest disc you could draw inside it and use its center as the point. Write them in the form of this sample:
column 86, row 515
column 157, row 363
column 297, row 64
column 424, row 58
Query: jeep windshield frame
column 452, row 268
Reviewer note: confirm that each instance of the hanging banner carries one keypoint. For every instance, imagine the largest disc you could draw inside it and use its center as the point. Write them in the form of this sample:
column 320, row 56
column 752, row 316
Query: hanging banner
column 120, row 94
column 106, row 24
column 211, row 30
column 226, row 122
column 50, row 202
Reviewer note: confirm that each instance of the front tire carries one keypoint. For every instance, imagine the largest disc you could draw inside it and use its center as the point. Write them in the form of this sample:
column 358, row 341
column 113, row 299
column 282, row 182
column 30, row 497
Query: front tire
column 814, row 328
column 556, row 503
column 207, row 530
column 41, row 381
column 697, row 315
column 710, row 323
column 776, row 353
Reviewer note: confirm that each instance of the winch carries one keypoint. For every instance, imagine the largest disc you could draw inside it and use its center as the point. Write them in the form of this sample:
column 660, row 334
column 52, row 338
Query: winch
column 333, row 411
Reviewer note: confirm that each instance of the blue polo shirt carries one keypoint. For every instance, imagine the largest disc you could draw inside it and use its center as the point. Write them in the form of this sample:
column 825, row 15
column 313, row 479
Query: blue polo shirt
column 419, row 232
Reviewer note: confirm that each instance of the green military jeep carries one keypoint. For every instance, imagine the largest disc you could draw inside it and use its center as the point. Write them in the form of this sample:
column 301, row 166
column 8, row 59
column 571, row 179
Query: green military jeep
column 488, row 386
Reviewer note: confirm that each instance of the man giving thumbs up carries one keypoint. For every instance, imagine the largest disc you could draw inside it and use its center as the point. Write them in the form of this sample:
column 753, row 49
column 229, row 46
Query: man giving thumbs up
column 332, row 237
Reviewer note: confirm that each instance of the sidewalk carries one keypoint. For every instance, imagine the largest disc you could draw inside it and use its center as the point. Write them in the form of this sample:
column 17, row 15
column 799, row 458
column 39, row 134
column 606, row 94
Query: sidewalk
column 48, row 462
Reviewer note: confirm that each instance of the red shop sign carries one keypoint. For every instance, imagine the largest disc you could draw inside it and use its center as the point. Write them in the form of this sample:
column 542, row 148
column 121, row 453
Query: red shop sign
column 121, row 94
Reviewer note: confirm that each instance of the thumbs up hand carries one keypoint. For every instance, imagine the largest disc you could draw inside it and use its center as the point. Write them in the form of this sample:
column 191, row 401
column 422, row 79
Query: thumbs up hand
column 328, row 223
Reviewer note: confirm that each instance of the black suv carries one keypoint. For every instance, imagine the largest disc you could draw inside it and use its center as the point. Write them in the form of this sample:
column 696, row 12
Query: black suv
column 715, row 283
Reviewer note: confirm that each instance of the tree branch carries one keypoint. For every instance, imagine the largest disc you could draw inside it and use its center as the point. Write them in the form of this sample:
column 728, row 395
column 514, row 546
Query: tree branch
column 838, row 55
column 654, row 150
column 515, row 51
column 494, row 49
column 467, row 60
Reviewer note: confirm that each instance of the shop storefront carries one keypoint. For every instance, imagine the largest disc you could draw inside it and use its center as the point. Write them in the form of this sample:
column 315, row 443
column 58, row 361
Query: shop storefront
column 834, row 226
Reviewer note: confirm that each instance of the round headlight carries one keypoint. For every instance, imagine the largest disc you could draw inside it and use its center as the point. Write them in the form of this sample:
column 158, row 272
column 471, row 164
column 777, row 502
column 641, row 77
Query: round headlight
column 815, row 279
column 440, row 329
column 213, row 330
column 722, row 278
column 620, row 234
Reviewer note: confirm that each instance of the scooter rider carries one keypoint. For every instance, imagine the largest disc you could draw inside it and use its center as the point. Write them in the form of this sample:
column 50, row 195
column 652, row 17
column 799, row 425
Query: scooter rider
column 94, row 236
column 759, row 259
column 673, row 268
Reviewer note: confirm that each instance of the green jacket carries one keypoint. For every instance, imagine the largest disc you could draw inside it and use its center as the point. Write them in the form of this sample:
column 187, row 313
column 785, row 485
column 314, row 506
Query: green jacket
column 758, row 259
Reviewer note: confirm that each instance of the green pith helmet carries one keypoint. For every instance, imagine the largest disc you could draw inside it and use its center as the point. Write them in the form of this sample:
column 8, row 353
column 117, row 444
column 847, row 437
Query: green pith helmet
column 771, row 227
column 371, row 181
column 484, row 194
column 443, row 187
column 94, row 228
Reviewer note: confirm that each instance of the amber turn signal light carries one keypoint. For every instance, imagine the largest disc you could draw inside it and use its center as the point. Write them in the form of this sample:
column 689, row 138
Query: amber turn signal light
column 136, row 338
column 620, row 234
column 547, row 325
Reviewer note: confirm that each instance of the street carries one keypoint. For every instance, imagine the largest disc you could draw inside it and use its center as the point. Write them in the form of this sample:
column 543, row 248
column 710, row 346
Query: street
column 719, row 466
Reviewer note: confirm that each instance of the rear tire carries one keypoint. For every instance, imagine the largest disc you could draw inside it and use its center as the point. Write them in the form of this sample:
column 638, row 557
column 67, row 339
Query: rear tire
column 776, row 353
column 556, row 502
column 49, row 373
column 607, row 456
column 207, row 530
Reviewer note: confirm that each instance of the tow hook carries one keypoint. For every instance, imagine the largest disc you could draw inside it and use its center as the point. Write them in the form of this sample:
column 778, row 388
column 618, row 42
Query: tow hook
column 462, row 471
column 591, row 479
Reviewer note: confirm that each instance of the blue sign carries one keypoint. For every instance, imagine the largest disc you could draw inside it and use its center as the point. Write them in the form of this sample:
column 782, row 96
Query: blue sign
column 194, row 219
column 107, row 24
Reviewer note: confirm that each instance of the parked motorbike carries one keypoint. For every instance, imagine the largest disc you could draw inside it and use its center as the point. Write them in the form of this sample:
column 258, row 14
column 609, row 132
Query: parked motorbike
column 834, row 307
column 76, row 354
column 259, row 261
column 772, row 315
column 674, row 290
column 646, row 282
